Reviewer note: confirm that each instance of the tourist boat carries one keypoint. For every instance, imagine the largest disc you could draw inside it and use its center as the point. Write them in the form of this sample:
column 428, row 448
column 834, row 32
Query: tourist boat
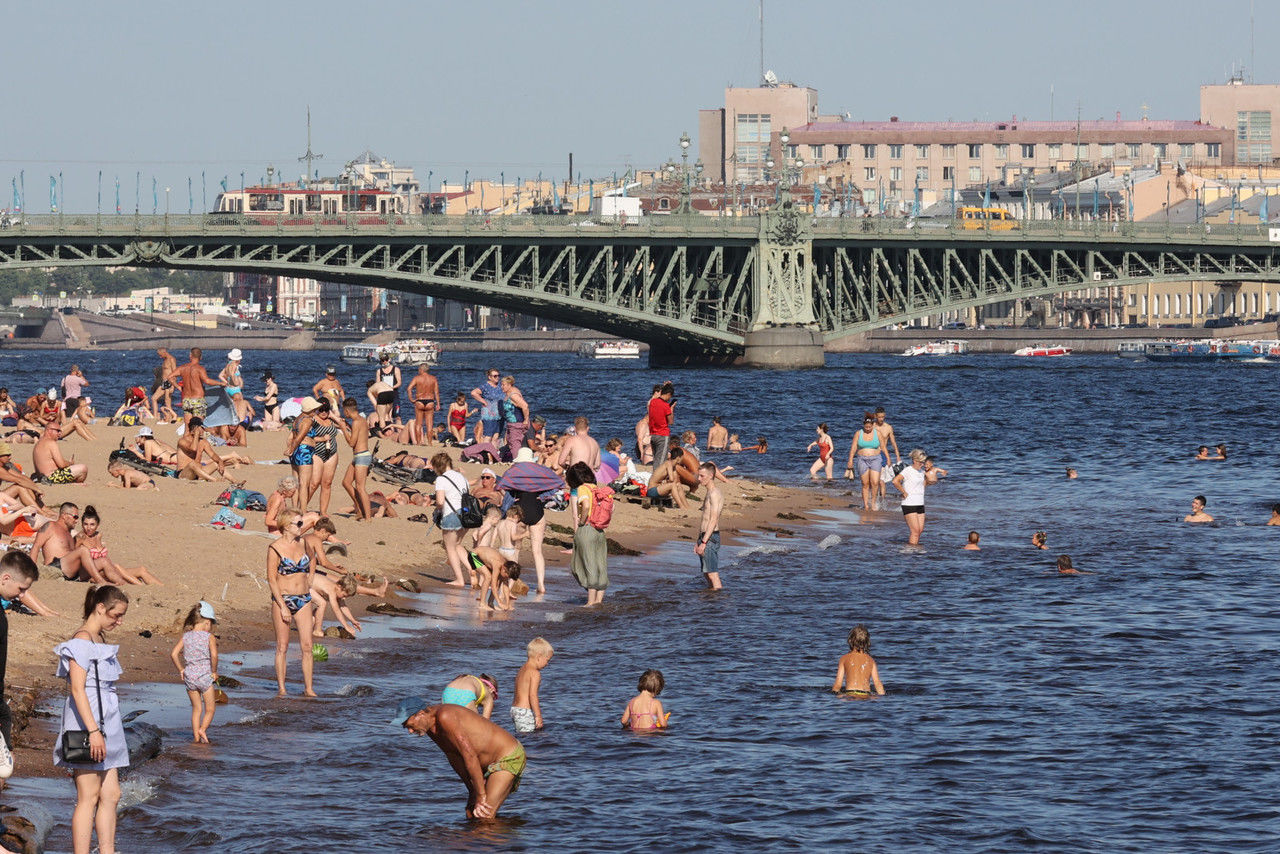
column 938, row 348
column 404, row 351
column 1131, row 349
column 1038, row 350
column 609, row 349
column 1206, row 350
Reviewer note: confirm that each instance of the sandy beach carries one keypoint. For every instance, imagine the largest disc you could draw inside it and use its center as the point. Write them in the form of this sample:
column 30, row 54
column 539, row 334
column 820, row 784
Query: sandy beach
column 168, row 532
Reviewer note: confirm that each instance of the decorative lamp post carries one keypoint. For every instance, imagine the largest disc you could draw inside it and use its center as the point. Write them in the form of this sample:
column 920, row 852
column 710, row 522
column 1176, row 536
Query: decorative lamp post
column 1031, row 197
column 686, row 206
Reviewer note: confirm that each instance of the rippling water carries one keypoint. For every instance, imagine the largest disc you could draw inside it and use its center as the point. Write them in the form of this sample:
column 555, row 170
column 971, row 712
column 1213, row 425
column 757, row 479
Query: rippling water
column 1133, row 709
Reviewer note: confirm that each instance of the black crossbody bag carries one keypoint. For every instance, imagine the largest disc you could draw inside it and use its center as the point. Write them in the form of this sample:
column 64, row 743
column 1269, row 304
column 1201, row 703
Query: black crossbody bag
column 75, row 742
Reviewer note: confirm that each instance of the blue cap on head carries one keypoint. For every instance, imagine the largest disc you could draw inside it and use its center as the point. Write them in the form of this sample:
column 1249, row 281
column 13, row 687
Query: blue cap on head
column 206, row 611
column 409, row 707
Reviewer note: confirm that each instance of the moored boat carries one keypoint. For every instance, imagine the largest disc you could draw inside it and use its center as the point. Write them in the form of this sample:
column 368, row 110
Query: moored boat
column 614, row 349
column 1131, row 349
column 1041, row 350
column 1206, row 350
column 938, row 348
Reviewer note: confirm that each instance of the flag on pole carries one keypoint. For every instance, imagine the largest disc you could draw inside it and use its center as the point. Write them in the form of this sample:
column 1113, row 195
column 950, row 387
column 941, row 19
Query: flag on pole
column 16, row 203
column 986, row 196
column 117, row 194
column 100, row 206
column 155, row 196
column 817, row 196
column 1264, row 211
column 53, row 194
column 1095, row 199
column 191, row 206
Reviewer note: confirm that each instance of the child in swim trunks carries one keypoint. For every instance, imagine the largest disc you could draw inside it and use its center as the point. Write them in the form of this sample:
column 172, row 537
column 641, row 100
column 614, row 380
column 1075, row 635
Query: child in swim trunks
column 644, row 712
column 526, row 714
column 199, row 648
column 857, row 669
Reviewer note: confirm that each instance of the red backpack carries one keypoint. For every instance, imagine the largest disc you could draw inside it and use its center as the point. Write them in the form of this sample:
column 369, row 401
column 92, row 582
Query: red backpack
column 601, row 508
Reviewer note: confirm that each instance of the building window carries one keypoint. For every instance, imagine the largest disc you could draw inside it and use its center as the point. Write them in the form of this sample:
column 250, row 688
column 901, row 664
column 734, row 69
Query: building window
column 1160, row 150
column 948, row 173
column 1082, row 151
column 1028, row 150
column 815, row 151
column 1135, row 150
column 975, row 174
column 895, row 152
column 1002, row 152
column 749, row 153
column 869, row 173
column 922, row 173
column 949, row 152
column 842, row 152
column 895, row 173
column 1186, row 150
column 922, row 151
column 1107, row 151
column 1055, row 151
column 975, row 151
column 869, row 152
column 1213, row 149
column 793, row 151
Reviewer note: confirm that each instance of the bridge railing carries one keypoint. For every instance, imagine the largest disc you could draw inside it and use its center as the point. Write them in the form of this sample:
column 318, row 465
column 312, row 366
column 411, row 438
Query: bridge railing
column 932, row 229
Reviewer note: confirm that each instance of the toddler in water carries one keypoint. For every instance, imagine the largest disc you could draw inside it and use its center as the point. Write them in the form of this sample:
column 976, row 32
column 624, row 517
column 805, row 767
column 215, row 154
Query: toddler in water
column 526, row 714
column 857, row 669
column 644, row 712
column 199, row 648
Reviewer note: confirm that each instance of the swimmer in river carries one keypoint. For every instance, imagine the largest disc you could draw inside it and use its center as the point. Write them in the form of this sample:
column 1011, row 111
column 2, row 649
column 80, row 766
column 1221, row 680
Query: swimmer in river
column 1072, row 474
column 857, row 672
column 1040, row 540
column 1275, row 515
column 1197, row 513
column 1222, row 452
column 972, row 545
column 1202, row 453
column 1065, row 567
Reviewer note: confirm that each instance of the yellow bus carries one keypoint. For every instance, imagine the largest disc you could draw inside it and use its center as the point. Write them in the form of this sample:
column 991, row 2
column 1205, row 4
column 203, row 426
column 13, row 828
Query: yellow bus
column 990, row 219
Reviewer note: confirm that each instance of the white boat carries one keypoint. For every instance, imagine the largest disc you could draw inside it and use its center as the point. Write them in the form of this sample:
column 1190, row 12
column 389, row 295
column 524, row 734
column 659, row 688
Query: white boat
column 1040, row 350
column 1131, row 349
column 404, row 351
column 938, row 348
column 609, row 349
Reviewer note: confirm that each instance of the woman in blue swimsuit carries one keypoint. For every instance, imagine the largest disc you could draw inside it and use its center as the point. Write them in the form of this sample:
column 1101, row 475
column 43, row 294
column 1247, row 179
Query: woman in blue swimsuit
column 865, row 454
column 299, row 451
column 235, row 385
column 290, row 570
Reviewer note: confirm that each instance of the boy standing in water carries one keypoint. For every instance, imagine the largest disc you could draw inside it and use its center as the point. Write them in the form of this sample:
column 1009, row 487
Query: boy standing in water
column 526, row 714
column 857, row 669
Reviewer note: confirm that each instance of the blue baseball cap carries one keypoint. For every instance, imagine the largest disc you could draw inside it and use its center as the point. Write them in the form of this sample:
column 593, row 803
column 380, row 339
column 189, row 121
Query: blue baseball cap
column 409, row 707
column 206, row 611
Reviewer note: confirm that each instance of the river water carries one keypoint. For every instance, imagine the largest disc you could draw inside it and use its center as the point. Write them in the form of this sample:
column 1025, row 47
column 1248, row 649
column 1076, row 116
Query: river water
column 1132, row 709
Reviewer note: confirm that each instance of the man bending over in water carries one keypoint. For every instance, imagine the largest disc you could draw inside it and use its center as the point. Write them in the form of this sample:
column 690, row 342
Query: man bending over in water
column 487, row 759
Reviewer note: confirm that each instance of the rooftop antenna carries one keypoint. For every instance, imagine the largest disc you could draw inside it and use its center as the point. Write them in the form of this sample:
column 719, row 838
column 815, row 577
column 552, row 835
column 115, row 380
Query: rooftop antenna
column 1250, row 39
column 310, row 155
column 762, row 40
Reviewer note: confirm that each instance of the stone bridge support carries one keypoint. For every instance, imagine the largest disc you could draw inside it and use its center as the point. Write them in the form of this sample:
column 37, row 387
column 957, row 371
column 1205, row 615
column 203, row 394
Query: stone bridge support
column 784, row 332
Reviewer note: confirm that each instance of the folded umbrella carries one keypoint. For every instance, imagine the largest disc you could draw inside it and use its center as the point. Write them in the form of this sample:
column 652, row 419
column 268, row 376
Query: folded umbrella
column 530, row 477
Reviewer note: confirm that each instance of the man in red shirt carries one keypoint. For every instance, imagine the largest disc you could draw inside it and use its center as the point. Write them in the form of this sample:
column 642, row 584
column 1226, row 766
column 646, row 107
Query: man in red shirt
column 660, row 418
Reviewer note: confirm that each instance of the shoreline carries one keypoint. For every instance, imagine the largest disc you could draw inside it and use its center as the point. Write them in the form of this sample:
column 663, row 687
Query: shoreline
column 393, row 548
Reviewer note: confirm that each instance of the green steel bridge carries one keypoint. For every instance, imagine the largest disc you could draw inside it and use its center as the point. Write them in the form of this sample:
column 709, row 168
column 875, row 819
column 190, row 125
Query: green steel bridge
column 769, row 289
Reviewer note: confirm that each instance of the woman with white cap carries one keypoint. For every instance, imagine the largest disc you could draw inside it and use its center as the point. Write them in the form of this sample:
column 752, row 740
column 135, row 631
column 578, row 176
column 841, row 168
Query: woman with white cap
column 235, row 383
column 299, row 449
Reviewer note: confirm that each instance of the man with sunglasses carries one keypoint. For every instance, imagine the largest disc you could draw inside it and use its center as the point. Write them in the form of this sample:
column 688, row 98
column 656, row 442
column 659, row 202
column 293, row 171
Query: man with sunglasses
column 56, row 547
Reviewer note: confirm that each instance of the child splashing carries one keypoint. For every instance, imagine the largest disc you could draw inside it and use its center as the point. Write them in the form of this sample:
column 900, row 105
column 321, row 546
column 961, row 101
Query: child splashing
column 857, row 669
column 199, row 648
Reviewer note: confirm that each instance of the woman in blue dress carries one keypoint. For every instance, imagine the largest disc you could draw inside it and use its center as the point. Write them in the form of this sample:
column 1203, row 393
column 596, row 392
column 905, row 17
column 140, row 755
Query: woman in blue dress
column 91, row 667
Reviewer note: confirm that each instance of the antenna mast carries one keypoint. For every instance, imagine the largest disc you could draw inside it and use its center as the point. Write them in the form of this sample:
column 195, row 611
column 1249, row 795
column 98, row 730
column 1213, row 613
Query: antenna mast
column 762, row 41
column 310, row 155
column 1250, row 40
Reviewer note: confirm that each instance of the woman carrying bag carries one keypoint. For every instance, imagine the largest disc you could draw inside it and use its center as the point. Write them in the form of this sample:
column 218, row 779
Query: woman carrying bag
column 91, row 714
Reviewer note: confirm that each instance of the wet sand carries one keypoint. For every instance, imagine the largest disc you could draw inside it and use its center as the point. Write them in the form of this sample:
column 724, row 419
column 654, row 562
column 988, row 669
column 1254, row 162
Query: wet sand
column 167, row 531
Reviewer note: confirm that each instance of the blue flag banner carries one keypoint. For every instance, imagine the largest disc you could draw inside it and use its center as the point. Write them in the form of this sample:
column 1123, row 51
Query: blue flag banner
column 117, row 194
column 53, row 194
column 191, row 206
column 986, row 196
column 100, row 209
column 817, row 196
column 1264, row 211
column 155, row 196
column 223, row 182
column 16, row 204
column 1095, row 199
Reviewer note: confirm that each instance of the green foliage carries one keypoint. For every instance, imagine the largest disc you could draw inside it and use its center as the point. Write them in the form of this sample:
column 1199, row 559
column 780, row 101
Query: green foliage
column 99, row 281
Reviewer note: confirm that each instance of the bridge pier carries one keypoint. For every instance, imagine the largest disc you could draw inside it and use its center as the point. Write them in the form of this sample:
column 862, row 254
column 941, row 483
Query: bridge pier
column 784, row 348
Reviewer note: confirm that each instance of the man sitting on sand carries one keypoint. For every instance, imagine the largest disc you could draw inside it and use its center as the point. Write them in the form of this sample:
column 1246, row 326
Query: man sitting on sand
column 56, row 547
column 1197, row 513
column 193, row 448
column 49, row 463
column 20, row 487
column 486, row 757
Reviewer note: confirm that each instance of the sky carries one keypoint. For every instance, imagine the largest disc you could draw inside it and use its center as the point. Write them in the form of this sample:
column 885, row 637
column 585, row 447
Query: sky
column 506, row 89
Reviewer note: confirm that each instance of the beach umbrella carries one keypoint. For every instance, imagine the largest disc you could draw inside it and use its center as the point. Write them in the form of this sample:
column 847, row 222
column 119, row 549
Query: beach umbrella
column 530, row 477
column 606, row 474
column 291, row 408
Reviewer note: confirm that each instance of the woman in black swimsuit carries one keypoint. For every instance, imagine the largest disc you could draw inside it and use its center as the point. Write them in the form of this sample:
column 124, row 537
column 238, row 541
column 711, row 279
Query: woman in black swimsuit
column 324, row 460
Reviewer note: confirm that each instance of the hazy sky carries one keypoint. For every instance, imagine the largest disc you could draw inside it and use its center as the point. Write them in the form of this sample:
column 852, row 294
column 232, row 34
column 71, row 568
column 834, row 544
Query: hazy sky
column 170, row 89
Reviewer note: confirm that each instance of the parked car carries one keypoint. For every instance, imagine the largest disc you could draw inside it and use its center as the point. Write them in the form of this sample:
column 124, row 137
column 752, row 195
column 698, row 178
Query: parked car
column 1223, row 322
column 955, row 324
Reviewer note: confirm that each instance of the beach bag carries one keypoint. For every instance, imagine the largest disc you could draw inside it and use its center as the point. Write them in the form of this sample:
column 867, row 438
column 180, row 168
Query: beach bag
column 227, row 519
column 601, row 508
column 75, row 742
column 470, row 514
column 254, row 500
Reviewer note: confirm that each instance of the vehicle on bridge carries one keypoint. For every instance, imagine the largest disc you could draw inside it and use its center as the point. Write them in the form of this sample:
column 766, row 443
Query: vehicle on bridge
column 289, row 203
column 989, row 219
